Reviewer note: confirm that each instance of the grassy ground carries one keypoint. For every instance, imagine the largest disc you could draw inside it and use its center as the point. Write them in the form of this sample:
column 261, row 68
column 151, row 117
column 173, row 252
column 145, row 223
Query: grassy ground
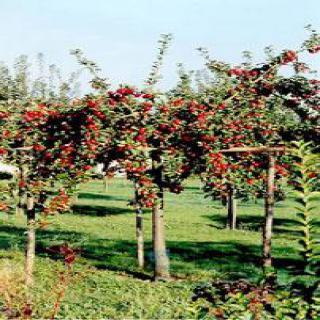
column 107, row 282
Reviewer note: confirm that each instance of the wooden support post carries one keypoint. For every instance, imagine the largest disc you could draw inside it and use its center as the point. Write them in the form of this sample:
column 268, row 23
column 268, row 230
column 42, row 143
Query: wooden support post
column 269, row 212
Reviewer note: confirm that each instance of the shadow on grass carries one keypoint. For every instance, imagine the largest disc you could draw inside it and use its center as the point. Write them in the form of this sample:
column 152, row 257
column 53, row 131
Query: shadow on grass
column 194, row 190
column 231, row 257
column 98, row 211
column 259, row 203
column 14, row 237
column 104, row 254
column 100, row 196
column 255, row 223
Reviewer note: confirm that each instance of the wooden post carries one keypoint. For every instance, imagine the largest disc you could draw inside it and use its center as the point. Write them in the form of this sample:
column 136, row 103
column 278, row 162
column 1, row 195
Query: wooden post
column 139, row 228
column 31, row 240
column 232, row 209
column 161, row 259
column 269, row 212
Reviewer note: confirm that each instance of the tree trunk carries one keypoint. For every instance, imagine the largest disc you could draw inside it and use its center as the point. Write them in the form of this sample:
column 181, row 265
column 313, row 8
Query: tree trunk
column 74, row 199
column 20, row 204
column 139, row 229
column 161, row 260
column 224, row 200
column 105, row 183
column 20, row 208
column 31, row 241
column 269, row 212
column 232, row 209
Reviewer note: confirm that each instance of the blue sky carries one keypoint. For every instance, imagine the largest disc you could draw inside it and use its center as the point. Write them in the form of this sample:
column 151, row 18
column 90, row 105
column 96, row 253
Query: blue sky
column 121, row 36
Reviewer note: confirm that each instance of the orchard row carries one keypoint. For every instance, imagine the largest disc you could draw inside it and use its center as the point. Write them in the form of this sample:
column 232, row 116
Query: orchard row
column 161, row 139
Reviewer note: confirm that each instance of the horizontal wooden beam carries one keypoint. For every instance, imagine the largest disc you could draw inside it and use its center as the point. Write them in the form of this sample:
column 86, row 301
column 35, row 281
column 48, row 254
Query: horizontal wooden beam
column 20, row 149
column 262, row 149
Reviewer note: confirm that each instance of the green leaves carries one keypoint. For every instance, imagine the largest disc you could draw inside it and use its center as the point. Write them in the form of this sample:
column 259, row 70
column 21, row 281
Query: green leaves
column 307, row 197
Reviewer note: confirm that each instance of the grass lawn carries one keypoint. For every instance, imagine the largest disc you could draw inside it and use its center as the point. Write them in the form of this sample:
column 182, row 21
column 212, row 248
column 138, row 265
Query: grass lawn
column 107, row 282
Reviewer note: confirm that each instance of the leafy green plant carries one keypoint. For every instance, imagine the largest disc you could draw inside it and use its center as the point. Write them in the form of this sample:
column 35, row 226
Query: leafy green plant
column 307, row 194
column 243, row 300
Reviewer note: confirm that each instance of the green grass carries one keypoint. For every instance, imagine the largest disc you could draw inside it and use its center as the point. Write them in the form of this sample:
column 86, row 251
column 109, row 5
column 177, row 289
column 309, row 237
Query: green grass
column 108, row 283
